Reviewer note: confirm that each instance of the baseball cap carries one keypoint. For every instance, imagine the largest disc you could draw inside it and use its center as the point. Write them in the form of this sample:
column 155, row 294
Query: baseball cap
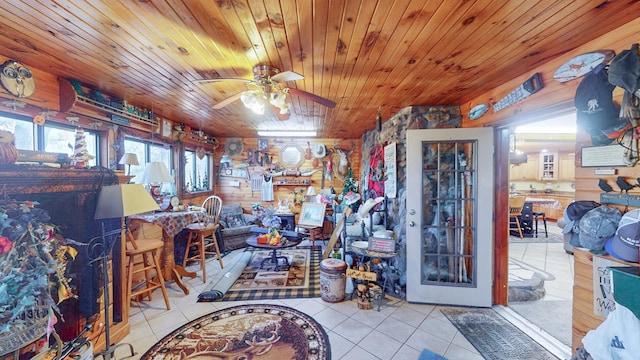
column 624, row 243
column 575, row 211
column 624, row 70
column 597, row 226
column 594, row 102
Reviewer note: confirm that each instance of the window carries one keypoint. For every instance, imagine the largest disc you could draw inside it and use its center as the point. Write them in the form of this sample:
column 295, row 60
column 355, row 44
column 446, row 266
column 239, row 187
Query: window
column 52, row 137
column 146, row 153
column 196, row 172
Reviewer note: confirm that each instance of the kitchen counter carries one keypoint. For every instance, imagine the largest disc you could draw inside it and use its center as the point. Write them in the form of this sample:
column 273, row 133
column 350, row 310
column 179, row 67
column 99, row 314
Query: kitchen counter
column 570, row 194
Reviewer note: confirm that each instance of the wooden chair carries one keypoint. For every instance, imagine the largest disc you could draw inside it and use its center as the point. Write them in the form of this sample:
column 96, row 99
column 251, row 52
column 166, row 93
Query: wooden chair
column 143, row 257
column 202, row 235
column 516, row 203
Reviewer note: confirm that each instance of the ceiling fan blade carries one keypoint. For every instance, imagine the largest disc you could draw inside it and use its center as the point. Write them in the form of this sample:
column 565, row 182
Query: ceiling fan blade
column 312, row 97
column 227, row 101
column 202, row 81
column 286, row 76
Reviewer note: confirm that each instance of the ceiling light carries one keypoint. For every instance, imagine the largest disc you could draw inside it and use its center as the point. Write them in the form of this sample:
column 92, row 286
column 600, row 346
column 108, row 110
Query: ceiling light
column 251, row 101
column 287, row 133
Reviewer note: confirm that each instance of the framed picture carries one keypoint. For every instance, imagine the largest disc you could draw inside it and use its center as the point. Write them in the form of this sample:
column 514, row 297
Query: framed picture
column 263, row 145
column 166, row 128
column 312, row 215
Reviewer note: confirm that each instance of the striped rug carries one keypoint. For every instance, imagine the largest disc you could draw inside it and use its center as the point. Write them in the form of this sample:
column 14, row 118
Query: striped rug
column 299, row 280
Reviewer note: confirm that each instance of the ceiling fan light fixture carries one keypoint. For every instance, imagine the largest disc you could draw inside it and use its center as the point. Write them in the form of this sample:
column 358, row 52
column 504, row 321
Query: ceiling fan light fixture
column 279, row 99
column 252, row 102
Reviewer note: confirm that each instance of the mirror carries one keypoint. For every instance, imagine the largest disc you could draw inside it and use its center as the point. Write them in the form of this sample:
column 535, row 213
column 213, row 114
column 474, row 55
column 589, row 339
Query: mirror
column 291, row 156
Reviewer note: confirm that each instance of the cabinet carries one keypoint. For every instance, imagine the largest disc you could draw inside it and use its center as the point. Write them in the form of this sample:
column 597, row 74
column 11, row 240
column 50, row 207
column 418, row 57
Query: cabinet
column 525, row 171
column 567, row 166
column 548, row 166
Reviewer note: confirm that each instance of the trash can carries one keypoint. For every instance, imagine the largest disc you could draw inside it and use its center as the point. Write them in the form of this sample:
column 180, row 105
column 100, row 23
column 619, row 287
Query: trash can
column 332, row 280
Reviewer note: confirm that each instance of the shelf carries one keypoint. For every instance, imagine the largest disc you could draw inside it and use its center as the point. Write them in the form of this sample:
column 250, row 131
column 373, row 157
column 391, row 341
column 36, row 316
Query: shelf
column 292, row 182
column 70, row 101
column 114, row 111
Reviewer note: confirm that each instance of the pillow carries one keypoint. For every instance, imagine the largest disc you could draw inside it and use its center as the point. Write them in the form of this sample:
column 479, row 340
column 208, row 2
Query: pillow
column 235, row 220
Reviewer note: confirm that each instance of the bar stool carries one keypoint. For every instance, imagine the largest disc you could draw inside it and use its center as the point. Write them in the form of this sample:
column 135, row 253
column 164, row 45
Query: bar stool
column 202, row 236
column 148, row 250
column 541, row 214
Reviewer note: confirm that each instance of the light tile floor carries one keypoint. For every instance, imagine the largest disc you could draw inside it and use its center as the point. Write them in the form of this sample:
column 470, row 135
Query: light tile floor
column 401, row 330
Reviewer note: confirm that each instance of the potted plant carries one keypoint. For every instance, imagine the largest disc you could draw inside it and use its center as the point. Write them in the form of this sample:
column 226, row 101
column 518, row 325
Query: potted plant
column 257, row 209
column 33, row 260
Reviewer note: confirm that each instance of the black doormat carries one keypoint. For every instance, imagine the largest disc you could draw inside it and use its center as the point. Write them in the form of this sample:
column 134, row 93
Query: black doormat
column 494, row 337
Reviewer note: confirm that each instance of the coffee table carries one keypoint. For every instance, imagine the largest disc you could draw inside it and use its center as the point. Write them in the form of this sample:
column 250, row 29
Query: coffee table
column 253, row 242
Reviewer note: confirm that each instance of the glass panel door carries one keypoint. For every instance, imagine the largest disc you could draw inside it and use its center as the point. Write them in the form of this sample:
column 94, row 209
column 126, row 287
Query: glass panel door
column 449, row 225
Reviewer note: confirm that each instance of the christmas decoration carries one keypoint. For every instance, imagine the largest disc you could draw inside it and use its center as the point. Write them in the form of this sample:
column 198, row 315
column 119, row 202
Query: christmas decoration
column 351, row 185
column 80, row 158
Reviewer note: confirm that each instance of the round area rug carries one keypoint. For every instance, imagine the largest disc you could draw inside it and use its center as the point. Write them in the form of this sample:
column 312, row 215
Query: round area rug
column 246, row 332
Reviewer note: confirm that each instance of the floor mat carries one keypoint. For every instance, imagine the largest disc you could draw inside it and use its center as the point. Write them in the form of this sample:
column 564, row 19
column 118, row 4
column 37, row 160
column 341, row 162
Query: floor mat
column 253, row 331
column 301, row 279
column 494, row 337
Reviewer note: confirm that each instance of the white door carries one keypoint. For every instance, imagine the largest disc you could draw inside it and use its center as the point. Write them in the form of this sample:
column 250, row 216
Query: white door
column 450, row 216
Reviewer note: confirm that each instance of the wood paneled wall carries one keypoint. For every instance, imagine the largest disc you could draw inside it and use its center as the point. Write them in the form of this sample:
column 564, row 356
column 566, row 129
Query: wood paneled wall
column 242, row 193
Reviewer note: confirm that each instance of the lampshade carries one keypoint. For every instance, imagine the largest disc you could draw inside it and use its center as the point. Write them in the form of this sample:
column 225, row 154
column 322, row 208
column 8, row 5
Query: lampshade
column 129, row 159
column 156, row 172
column 117, row 201
column 311, row 191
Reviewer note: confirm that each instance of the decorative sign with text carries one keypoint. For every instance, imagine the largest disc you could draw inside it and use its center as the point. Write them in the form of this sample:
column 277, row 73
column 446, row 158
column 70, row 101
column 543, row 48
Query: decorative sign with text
column 603, row 156
column 381, row 244
column 361, row 275
column 603, row 302
column 391, row 174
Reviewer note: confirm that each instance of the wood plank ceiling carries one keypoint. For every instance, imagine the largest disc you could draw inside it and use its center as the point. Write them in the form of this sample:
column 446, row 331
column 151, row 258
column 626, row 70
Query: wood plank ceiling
column 362, row 54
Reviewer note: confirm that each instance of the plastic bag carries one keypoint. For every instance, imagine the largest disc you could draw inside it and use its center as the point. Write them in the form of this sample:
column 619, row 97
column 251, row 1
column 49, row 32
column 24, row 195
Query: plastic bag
column 616, row 338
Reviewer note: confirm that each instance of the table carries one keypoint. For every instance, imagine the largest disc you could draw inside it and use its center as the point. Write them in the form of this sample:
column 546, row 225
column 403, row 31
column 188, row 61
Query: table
column 253, row 242
column 172, row 222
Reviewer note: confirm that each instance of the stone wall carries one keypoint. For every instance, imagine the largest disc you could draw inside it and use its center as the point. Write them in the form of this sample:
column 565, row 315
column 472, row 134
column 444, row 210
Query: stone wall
column 394, row 130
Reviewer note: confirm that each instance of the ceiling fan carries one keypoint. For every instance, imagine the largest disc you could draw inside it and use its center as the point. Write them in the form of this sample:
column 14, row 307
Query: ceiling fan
column 270, row 89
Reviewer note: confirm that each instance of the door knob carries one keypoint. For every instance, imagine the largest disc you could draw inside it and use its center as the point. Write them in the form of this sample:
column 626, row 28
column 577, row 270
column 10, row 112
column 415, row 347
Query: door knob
column 412, row 223
column 412, row 212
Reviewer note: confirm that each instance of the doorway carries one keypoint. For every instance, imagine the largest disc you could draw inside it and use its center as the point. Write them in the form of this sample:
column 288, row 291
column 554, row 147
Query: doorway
column 542, row 168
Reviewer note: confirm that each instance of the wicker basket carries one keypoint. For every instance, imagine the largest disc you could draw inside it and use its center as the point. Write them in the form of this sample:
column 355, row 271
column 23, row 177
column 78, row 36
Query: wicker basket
column 27, row 328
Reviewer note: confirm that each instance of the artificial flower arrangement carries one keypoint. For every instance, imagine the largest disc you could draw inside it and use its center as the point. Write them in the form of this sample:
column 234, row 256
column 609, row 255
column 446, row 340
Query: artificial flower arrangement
column 33, row 259
column 272, row 222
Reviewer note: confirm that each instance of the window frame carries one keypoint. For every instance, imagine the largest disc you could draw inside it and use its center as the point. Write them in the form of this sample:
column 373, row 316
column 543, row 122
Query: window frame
column 148, row 145
column 39, row 135
column 210, row 169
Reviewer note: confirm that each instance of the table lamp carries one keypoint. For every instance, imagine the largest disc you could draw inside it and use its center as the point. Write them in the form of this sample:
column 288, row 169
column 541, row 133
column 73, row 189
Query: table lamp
column 129, row 159
column 116, row 201
column 311, row 194
column 156, row 173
